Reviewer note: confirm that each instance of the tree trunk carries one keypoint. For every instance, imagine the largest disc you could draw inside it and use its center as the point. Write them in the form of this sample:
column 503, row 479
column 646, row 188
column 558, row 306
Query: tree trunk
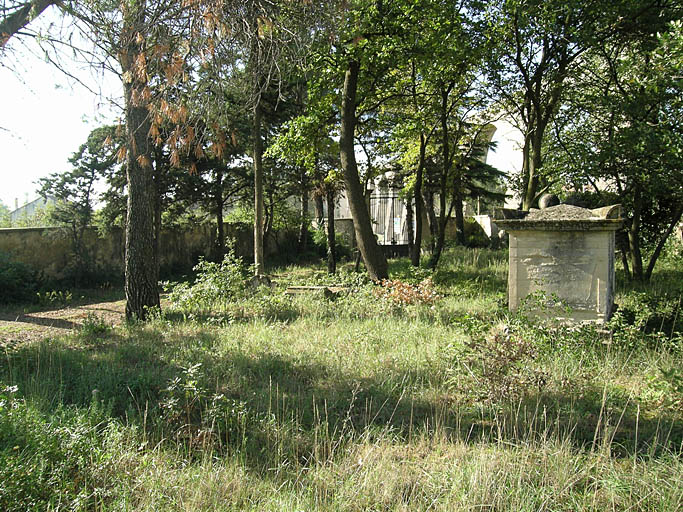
column 416, row 249
column 158, row 168
column 409, row 225
column 660, row 245
column 526, row 165
column 303, row 227
column 218, row 205
column 319, row 210
column 533, row 167
column 428, row 198
column 443, row 181
column 373, row 257
column 459, row 213
column 331, row 237
column 259, row 266
column 269, row 219
column 439, row 244
column 141, row 281
column 621, row 243
column 634, row 235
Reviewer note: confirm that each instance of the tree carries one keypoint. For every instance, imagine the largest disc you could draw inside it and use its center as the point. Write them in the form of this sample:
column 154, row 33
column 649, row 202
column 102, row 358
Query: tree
column 266, row 34
column 75, row 195
column 306, row 143
column 149, row 45
column 435, row 116
column 369, row 36
column 621, row 132
column 142, row 39
column 141, row 266
column 412, row 128
column 538, row 45
column 375, row 261
column 4, row 216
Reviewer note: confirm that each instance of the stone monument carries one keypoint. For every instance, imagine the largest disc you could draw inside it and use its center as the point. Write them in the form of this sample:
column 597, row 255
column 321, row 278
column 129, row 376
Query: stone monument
column 562, row 261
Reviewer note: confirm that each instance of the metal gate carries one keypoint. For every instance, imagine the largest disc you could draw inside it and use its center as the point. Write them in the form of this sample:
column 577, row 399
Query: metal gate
column 388, row 215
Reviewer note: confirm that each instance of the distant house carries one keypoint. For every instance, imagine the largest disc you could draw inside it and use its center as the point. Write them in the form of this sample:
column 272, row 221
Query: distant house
column 30, row 209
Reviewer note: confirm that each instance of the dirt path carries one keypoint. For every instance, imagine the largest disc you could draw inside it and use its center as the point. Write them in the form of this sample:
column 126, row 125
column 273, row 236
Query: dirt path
column 18, row 327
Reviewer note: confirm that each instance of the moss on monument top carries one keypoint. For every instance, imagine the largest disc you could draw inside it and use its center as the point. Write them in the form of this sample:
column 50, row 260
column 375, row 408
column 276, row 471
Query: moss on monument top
column 563, row 217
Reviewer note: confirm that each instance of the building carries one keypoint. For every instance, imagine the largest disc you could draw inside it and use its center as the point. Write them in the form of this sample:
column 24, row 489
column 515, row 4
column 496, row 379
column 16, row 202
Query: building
column 30, row 209
column 388, row 210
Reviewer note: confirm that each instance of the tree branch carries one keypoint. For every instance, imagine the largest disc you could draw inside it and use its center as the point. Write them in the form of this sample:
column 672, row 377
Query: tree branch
column 14, row 22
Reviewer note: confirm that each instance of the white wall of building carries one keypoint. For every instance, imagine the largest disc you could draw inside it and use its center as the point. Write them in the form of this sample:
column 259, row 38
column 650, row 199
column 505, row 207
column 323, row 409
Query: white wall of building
column 507, row 156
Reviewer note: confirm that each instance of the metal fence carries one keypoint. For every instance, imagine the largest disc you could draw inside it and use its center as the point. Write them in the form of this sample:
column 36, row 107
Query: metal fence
column 388, row 215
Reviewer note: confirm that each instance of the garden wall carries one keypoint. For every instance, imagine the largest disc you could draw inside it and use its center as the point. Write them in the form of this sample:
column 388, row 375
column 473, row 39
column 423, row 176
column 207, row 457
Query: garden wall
column 48, row 249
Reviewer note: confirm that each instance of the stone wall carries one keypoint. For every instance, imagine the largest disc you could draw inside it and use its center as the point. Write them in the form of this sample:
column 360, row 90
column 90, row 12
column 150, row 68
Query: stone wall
column 48, row 250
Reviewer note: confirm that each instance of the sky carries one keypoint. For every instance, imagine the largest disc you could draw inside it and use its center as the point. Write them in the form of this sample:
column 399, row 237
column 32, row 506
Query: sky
column 44, row 117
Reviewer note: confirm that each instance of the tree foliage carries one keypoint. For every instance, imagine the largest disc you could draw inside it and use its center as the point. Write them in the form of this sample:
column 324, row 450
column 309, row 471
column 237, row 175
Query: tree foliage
column 74, row 191
column 621, row 131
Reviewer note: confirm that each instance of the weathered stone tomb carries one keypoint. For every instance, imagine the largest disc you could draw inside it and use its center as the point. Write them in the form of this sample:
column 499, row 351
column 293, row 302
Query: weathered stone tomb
column 562, row 261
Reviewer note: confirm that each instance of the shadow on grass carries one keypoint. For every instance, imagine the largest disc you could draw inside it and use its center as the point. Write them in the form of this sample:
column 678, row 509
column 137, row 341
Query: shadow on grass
column 40, row 320
column 79, row 298
column 299, row 410
column 121, row 372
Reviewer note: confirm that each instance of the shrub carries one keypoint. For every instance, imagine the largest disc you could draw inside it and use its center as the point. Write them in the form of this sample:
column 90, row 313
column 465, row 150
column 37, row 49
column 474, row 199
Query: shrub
column 54, row 297
column 90, row 276
column 197, row 416
column 666, row 388
column 94, row 328
column 475, row 235
column 590, row 199
column 58, row 461
column 18, row 282
column 215, row 283
column 673, row 252
column 499, row 362
column 319, row 237
column 402, row 293
column 643, row 317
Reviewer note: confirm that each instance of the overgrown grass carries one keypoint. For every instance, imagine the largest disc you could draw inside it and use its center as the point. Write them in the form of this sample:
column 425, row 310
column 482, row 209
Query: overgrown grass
column 371, row 401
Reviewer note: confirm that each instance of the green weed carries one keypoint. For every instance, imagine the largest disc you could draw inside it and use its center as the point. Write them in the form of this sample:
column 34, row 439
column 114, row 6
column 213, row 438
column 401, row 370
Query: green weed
column 54, row 297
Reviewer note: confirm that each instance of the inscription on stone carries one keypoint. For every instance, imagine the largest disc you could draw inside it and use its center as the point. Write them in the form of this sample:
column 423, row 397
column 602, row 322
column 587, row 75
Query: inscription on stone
column 566, row 253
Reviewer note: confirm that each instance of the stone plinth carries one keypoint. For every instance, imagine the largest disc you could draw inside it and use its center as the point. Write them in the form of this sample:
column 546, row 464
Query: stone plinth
column 562, row 261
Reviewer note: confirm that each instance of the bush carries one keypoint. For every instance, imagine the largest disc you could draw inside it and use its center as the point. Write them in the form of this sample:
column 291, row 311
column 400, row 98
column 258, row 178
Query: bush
column 589, row 199
column 319, row 237
column 196, row 415
column 90, row 276
column 644, row 317
column 475, row 235
column 215, row 283
column 94, row 328
column 18, row 282
column 673, row 253
column 403, row 294
column 499, row 362
column 54, row 297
